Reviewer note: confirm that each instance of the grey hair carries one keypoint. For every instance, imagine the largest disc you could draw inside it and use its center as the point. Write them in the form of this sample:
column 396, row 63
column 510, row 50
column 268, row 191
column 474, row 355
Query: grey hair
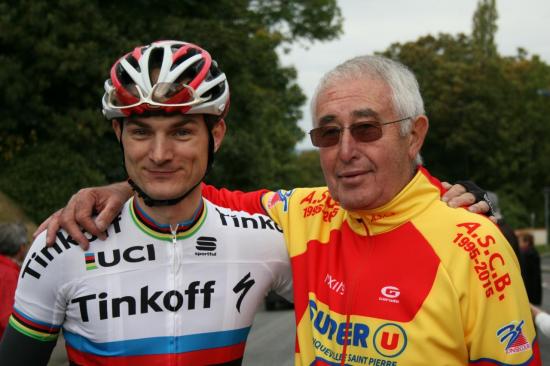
column 406, row 98
column 12, row 237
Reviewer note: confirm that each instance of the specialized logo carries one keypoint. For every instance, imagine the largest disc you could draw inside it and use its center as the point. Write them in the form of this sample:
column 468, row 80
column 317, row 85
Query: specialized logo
column 246, row 221
column 206, row 245
column 104, row 306
column 280, row 196
column 244, row 285
column 135, row 254
column 390, row 294
column 512, row 336
column 390, row 340
column 334, row 284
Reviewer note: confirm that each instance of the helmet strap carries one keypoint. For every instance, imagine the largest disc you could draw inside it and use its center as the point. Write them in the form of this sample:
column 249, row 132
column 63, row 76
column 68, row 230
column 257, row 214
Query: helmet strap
column 151, row 202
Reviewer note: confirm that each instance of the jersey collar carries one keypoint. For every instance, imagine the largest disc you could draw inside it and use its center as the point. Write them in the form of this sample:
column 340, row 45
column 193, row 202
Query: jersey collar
column 162, row 231
column 417, row 195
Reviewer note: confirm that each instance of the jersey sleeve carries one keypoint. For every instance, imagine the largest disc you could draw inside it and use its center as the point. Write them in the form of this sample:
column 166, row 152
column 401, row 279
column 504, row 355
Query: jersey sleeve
column 38, row 310
column 496, row 318
column 502, row 325
column 16, row 349
column 236, row 200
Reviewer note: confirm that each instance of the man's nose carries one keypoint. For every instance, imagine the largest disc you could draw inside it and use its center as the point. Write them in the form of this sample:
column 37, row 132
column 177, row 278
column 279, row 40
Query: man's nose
column 347, row 146
column 161, row 150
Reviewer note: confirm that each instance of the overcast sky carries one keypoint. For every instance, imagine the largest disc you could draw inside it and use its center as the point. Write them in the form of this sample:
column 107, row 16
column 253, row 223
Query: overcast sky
column 373, row 25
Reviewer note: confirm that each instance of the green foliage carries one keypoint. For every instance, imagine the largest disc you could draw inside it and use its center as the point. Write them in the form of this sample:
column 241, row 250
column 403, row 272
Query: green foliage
column 487, row 122
column 55, row 57
column 45, row 177
column 306, row 171
column 485, row 28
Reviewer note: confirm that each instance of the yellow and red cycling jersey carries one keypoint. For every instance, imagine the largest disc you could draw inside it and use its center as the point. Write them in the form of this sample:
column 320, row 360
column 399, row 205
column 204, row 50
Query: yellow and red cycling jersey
column 411, row 283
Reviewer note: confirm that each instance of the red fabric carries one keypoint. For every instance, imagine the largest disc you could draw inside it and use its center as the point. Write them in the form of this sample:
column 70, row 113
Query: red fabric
column 250, row 202
column 203, row 357
column 9, row 272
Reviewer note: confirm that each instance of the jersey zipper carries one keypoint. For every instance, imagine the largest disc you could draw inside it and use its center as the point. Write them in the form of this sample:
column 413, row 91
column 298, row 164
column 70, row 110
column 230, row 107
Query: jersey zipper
column 351, row 299
column 175, row 265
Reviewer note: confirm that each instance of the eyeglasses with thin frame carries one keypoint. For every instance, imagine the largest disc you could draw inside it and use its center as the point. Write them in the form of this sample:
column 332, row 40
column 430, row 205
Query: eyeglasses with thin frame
column 327, row 136
column 159, row 95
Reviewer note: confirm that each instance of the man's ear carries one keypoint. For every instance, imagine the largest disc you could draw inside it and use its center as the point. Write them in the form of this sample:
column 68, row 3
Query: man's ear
column 218, row 133
column 115, row 123
column 419, row 130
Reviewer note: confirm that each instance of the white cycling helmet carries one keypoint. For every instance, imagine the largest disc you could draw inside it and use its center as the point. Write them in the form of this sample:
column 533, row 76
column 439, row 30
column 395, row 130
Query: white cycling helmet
column 167, row 76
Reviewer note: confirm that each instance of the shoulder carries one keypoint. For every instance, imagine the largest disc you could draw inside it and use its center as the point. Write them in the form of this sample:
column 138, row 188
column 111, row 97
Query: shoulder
column 456, row 234
column 232, row 220
column 65, row 258
column 439, row 218
column 302, row 201
column 242, row 235
column 472, row 249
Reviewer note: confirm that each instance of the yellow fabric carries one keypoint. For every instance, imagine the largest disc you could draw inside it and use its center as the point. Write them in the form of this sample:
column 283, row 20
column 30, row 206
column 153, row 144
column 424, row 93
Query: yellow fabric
column 411, row 283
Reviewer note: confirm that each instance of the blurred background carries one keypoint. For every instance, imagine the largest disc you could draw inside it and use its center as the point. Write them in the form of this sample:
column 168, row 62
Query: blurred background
column 483, row 67
column 486, row 88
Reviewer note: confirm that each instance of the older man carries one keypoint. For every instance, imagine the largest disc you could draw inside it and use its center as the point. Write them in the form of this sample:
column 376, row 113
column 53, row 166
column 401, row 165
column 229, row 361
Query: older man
column 385, row 273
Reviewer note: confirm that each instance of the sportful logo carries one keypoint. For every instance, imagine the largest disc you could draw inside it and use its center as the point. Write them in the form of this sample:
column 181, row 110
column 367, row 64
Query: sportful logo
column 206, row 246
column 390, row 294
column 512, row 335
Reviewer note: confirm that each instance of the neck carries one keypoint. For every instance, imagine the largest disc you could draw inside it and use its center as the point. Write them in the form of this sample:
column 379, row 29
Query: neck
column 172, row 215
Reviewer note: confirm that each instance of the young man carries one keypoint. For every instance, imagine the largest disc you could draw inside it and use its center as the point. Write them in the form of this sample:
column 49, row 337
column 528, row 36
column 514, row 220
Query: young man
column 177, row 280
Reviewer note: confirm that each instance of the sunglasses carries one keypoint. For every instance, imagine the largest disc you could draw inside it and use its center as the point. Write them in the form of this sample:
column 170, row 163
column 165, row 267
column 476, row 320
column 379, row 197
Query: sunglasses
column 327, row 136
column 161, row 95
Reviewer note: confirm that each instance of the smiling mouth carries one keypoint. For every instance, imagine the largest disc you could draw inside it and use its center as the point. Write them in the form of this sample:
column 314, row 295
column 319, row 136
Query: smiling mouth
column 352, row 174
column 160, row 173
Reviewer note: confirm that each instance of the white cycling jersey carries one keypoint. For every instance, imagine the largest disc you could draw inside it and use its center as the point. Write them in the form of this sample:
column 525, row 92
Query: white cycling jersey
column 149, row 296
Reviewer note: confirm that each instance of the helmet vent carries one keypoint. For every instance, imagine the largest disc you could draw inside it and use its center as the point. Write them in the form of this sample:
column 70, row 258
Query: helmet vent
column 190, row 73
column 155, row 63
column 190, row 52
column 132, row 61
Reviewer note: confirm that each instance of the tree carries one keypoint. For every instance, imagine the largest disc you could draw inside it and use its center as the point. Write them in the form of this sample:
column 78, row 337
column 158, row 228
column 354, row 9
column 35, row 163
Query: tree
column 486, row 119
column 484, row 28
column 56, row 56
column 306, row 171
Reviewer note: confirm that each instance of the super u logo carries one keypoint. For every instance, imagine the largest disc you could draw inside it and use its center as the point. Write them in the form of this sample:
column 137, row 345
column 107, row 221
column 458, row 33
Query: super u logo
column 390, row 340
